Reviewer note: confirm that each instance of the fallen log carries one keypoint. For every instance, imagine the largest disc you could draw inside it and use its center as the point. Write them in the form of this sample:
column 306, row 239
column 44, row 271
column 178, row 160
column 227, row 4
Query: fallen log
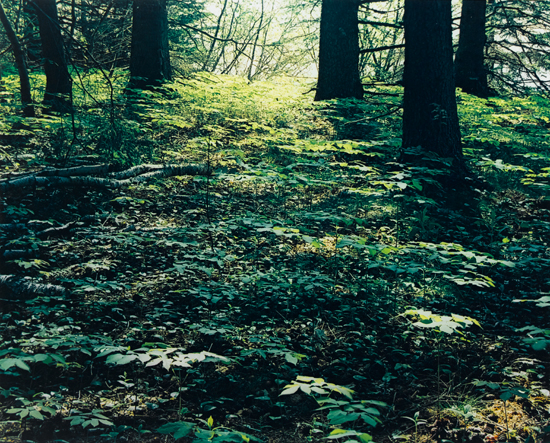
column 25, row 287
column 76, row 171
column 136, row 175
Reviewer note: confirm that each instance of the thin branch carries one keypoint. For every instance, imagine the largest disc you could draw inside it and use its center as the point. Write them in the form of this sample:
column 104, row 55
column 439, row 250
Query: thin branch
column 381, row 48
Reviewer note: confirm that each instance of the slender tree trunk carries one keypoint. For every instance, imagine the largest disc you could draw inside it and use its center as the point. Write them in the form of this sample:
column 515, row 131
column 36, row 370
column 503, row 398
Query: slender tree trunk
column 26, row 99
column 430, row 117
column 470, row 71
column 339, row 51
column 221, row 55
column 214, row 40
column 256, row 43
column 150, row 58
column 58, row 80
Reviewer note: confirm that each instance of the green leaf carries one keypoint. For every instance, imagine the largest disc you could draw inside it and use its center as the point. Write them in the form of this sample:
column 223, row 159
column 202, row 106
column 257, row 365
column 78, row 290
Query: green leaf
column 337, row 417
column 342, row 433
column 289, row 357
column 121, row 359
column 369, row 420
column 36, row 414
column 290, row 389
column 506, row 395
column 540, row 345
column 178, row 429
column 8, row 363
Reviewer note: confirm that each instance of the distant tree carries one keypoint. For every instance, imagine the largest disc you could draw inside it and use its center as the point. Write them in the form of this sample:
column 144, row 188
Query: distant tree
column 470, row 71
column 339, row 51
column 58, row 80
column 150, row 58
column 430, row 117
column 26, row 99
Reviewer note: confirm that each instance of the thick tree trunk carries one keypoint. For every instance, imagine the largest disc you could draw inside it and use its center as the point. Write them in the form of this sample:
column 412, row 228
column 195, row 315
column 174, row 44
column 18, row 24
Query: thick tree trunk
column 339, row 51
column 150, row 58
column 430, row 117
column 58, row 80
column 470, row 71
column 26, row 99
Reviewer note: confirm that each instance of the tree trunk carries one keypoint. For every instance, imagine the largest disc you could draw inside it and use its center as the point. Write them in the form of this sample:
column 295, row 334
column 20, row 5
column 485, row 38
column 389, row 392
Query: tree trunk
column 58, row 80
column 150, row 58
column 430, row 117
column 256, row 42
column 215, row 39
column 470, row 71
column 339, row 51
column 26, row 99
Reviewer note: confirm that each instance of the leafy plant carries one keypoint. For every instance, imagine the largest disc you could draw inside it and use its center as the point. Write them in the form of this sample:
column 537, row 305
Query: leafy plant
column 35, row 408
column 211, row 433
column 84, row 419
column 340, row 411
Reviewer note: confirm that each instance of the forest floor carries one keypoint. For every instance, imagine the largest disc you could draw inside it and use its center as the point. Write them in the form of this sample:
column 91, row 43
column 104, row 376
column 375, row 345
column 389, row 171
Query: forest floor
column 300, row 285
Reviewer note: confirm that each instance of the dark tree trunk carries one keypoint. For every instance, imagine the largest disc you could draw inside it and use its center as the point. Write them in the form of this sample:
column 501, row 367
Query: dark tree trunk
column 150, row 58
column 26, row 99
column 58, row 80
column 470, row 71
column 339, row 51
column 430, row 117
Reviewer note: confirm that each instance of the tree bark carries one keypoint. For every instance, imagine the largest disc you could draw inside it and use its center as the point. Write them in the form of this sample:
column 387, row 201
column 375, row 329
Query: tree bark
column 26, row 99
column 150, row 58
column 430, row 117
column 470, row 71
column 81, row 176
column 58, row 80
column 339, row 51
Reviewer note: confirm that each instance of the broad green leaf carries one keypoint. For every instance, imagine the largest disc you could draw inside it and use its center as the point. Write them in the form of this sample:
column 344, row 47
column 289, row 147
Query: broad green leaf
column 36, row 414
column 120, row 359
column 337, row 417
column 178, row 429
column 292, row 389
column 289, row 357
column 8, row 363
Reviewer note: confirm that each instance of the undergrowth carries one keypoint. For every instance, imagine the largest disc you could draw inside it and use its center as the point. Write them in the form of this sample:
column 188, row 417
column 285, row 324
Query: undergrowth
column 311, row 288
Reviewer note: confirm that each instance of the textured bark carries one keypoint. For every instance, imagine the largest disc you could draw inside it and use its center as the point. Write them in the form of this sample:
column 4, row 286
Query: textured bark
column 27, row 289
column 430, row 117
column 470, row 71
column 339, row 51
column 58, row 80
column 26, row 99
column 77, row 176
column 150, row 58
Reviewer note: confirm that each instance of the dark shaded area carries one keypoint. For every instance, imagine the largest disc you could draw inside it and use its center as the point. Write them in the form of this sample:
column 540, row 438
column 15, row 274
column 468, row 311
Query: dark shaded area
column 339, row 51
column 430, row 118
column 150, row 59
column 470, row 71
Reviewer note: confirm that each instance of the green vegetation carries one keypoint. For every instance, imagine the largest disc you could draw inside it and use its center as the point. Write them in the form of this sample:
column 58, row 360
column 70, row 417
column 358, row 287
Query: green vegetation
column 309, row 288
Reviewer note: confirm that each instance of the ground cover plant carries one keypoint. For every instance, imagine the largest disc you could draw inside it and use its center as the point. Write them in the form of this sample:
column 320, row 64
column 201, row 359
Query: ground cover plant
column 226, row 261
